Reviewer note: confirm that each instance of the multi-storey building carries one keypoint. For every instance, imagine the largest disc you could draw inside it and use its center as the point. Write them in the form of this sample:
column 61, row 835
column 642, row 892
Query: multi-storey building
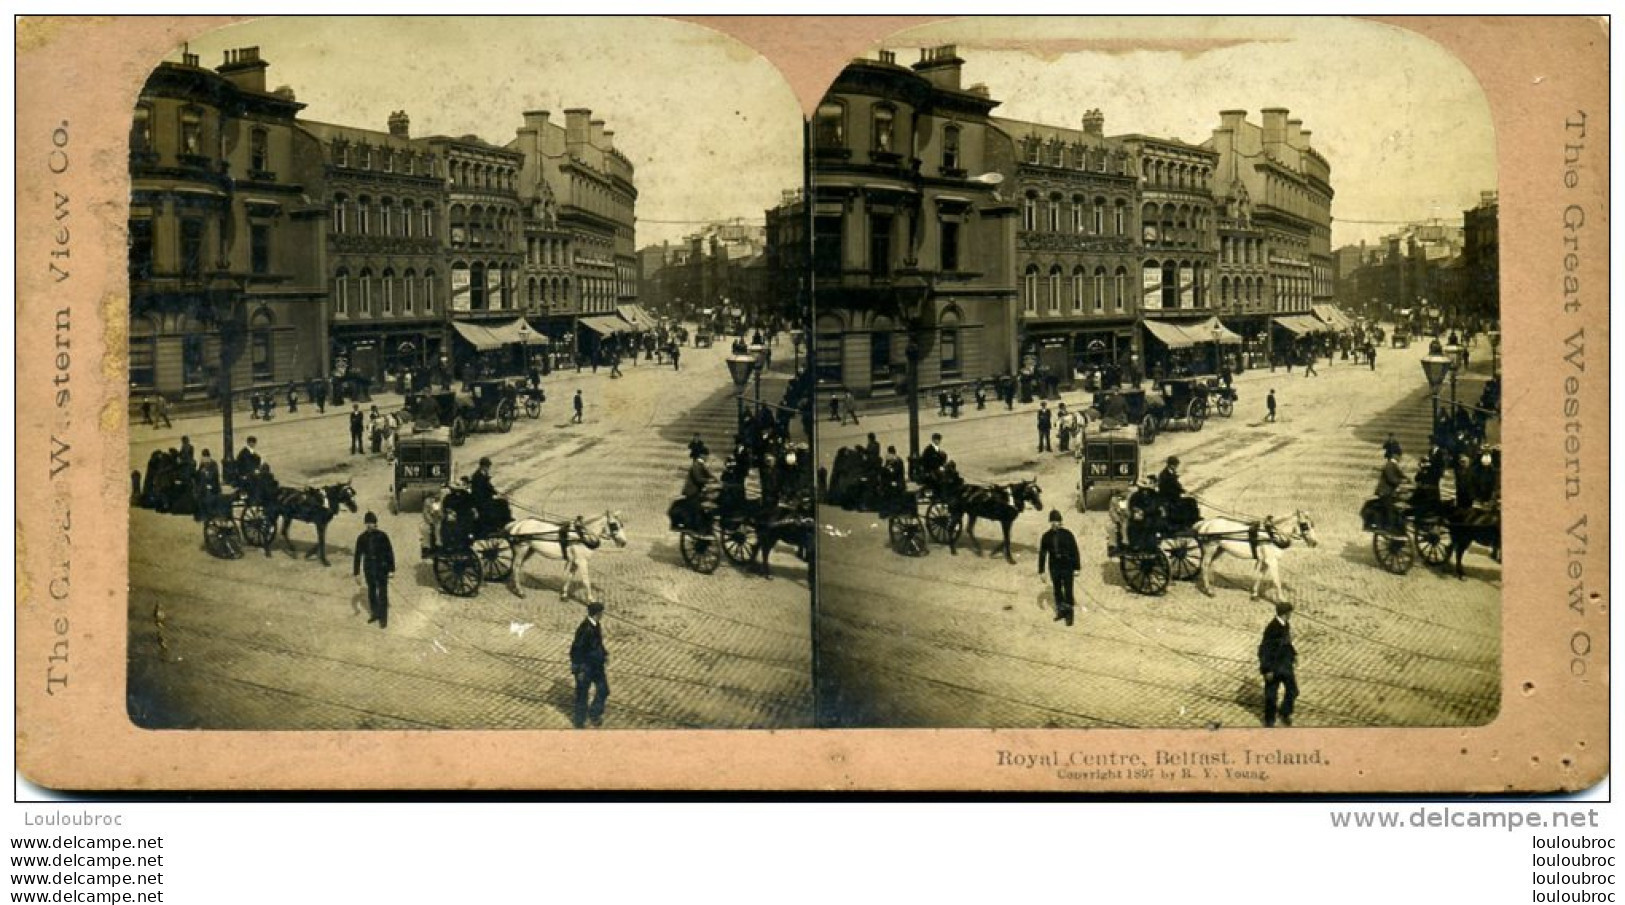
column 226, row 234
column 386, row 270
column 1288, row 185
column 913, row 243
column 1481, row 259
column 1077, row 245
column 585, row 191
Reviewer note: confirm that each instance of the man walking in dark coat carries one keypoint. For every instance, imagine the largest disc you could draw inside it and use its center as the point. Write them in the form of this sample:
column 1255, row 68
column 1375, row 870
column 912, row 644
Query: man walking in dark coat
column 1277, row 660
column 1271, row 403
column 375, row 558
column 579, row 405
column 1058, row 550
column 358, row 423
column 587, row 661
column 1043, row 427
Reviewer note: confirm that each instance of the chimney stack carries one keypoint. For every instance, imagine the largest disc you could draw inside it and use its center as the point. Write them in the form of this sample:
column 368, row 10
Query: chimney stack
column 576, row 125
column 1274, row 126
column 941, row 66
column 244, row 68
column 888, row 56
column 400, row 124
column 1094, row 122
column 595, row 133
column 1294, row 133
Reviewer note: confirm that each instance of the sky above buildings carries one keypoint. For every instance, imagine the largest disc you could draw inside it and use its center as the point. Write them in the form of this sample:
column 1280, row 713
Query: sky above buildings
column 1403, row 124
column 711, row 127
column 715, row 132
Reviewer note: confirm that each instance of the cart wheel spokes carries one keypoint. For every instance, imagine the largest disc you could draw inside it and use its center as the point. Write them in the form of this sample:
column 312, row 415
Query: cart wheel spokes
column 699, row 551
column 740, row 543
column 1393, row 551
column 1432, row 539
column 533, row 407
column 221, row 539
column 1145, row 573
column 256, row 525
column 939, row 522
column 458, row 573
column 496, row 557
column 1184, row 557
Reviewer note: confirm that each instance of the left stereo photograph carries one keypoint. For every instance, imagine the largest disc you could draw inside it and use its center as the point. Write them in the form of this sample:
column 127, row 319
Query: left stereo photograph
column 468, row 385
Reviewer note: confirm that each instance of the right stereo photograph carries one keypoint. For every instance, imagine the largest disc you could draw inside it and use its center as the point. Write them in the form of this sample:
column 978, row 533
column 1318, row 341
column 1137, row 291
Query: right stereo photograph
column 1158, row 379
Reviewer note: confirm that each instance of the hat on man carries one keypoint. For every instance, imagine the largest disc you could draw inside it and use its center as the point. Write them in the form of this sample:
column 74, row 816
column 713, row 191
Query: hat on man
column 1055, row 516
column 595, row 609
column 485, row 462
column 1283, row 608
column 1174, row 461
column 370, row 518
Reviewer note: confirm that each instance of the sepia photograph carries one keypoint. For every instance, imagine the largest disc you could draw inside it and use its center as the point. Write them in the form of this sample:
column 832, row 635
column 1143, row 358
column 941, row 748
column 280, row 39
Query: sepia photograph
column 1158, row 378
column 464, row 382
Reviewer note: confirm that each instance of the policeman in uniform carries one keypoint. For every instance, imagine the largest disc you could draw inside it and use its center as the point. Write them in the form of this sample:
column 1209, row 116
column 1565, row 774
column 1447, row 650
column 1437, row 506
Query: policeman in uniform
column 1058, row 550
column 376, row 557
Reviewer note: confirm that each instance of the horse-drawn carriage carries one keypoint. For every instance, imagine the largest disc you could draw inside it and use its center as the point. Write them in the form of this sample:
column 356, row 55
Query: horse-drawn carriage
column 1119, row 406
column 423, row 467
column 487, row 403
column 1221, row 398
column 703, row 337
column 1111, row 459
column 1181, row 399
column 469, row 543
column 740, row 529
column 1422, row 525
column 1155, row 541
column 532, row 398
column 231, row 520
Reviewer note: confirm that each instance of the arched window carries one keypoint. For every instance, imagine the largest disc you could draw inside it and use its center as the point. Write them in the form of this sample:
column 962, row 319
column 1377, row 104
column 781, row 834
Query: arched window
column 366, row 292
column 429, row 292
column 1077, row 290
column 263, row 363
column 1100, row 289
column 1121, row 217
column 341, row 293
column 829, row 125
column 1077, row 214
column 1100, row 217
column 409, row 287
column 389, row 291
column 363, row 213
column 1121, row 292
column 1054, row 220
column 1029, row 290
column 1029, row 212
column 1055, row 289
column 341, row 213
column 948, row 360
column 428, row 220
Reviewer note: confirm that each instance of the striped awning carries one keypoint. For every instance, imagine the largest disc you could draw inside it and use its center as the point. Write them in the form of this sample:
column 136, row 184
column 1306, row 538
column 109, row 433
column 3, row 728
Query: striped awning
column 487, row 337
column 604, row 324
column 1302, row 324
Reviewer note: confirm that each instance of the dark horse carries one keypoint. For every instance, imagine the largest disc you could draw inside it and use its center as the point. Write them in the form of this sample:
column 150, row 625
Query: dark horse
column 999, row 503
column 784, row 524
column 317, row 505
column 1474, row 525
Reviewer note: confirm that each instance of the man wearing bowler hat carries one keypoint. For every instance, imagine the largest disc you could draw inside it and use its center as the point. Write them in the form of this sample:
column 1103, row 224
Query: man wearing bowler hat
column 1058, row 550
column 1277, row 660
column 376, row 559
column 587, row 661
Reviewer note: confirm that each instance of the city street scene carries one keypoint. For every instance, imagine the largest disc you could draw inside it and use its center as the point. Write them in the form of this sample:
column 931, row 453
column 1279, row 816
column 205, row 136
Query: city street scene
column 465, row 388
column 1156, row 390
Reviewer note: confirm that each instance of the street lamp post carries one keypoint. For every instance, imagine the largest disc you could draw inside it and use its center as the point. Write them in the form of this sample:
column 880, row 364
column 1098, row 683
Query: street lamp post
column 913, row 290
column 1434, row 367
column 524, row 347
column 1218, row 354
column 740, row 368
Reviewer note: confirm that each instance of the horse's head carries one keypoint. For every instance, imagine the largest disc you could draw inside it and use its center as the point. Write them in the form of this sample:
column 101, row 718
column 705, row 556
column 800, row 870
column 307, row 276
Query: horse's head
column 1029, row 492
column 341, row 495
column 615, row 528
column 1305, row 528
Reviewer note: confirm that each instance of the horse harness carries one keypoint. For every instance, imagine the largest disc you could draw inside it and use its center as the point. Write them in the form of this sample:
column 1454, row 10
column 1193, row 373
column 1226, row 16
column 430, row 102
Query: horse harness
column 590, row 541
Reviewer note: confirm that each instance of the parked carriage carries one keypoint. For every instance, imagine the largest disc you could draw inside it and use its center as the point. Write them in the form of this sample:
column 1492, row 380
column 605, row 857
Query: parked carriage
column 1110, row 458
column 1181, row 399
column 708, row 530
column 423, row 466
column 532, row 398
column 231, row 520
column 489, row 403
column 1121, row 406
column 1221, row 399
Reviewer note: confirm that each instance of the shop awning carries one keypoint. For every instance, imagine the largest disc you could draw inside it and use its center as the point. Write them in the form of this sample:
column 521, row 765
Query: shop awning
column 1203, row 330
column 1301, row 324
column 637, row 317
column 1170, row 334
column 1333, row 317
column 604, row 324
column 488, row 337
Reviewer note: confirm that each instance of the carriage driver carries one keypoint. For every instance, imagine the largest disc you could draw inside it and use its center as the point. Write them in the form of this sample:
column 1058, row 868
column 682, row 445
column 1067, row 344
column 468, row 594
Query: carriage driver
column 699, row 487
column 932, row 460
column 1388, row 486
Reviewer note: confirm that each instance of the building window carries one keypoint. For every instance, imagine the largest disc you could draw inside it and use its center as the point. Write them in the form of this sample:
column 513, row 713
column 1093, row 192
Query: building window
column 141, row 250
column 827, row 352
column 143, row 354
column 191, row 247
column 1029, row 290
column 948, row 351
column 829, row 126
column 1055, row 213
column 884, row 118
column 827, row 239
column 1055, row 290
column 409, row 285
column 428, row 221
column 1121, row 288
column 880, row 357
column 950, row 148
column 949, row 230
column 191, row 131
column 428, row 292
column 1029, row 213
column 389, row 291
column 259, row 240
column 363, row 215
column 1100, row 217
column 194, row 369
column 141, row 129
column 341, row 293
column 260, row 347
column 1077, row 291
column 1077, row 215
column 880, row 226
column 341, row 206
column 476, row 287
column 259, row 151
column 1100, row 289
column 366, row 293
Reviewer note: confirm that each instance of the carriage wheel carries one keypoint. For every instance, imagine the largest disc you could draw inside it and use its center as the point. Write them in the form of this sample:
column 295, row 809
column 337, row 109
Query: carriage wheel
column 505, row 416
column 1197, row 414
column 740, row 543
column 1184, row 557
column 1145, row 573
column 496, row 557
column 1148, row 429
column 257, row 527
column 459, row 430
column 221, row 539
column 533, row 407
column 1432, row 538
column 939, row 523
column 458, row 573
column 700, row 552
column 1393, row 551
column 1226, row 406
column 907, row 535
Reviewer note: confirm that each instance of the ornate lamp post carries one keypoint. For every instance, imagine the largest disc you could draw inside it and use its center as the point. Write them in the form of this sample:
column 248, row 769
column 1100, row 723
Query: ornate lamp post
column 740, row 368
column 913, row 290
column 1434, row 367
column 1218, row 353
column 524, row 347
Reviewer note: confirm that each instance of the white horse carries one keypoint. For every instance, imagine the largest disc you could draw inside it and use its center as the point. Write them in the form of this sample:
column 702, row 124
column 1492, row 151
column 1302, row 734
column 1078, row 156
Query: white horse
column 1262, row 542
column 571, row 542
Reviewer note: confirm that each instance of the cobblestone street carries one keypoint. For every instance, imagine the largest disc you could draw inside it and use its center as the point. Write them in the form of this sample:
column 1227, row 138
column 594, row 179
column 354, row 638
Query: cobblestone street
column 283, row 643
column 968, row 640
